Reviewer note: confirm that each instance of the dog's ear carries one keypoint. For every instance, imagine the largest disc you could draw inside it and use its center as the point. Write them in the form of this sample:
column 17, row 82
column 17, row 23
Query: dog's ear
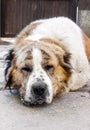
column 64, row 59
column 66, row 63
column 9, row 67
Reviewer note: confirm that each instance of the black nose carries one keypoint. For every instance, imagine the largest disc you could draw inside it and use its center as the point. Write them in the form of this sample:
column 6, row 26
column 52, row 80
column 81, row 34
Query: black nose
column 39, row 89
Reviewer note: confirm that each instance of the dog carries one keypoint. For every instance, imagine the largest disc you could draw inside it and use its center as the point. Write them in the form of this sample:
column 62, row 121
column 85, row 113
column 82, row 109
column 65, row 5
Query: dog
column 50, row 57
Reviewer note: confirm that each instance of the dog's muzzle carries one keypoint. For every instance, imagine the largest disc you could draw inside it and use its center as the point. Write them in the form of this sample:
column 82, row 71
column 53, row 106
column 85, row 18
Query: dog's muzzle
column 39, row 93
column 39, row 90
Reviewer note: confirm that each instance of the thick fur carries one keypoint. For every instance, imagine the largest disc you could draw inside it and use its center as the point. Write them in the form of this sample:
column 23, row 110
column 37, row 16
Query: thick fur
column 56, row 52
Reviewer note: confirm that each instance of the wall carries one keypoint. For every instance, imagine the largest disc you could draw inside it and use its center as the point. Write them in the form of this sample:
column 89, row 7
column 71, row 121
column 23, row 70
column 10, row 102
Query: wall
column 84, row 16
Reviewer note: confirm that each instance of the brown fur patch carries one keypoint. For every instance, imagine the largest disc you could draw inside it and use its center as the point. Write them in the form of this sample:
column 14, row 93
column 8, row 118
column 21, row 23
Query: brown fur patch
column 51, row 41
column 87, row 45
column 49, row 58
column 18, row 78
column 60, row 81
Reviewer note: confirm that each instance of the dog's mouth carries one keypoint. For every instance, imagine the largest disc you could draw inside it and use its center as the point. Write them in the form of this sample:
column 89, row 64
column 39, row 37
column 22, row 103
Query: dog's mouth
column 38, row 95
column 39, row 101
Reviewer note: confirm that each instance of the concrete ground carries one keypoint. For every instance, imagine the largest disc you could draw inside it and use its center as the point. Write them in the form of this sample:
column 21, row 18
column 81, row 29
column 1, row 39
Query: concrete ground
column 70, row 112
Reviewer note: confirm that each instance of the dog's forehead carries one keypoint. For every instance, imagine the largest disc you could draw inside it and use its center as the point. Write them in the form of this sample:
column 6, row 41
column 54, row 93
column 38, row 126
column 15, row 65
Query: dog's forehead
column 37, row 56
column 42, row 57
column 33, row 54
column 38, row 53
column 22, row 54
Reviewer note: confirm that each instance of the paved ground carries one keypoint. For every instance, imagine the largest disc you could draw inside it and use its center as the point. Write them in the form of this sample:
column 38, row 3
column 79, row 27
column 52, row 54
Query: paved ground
column 70, row 112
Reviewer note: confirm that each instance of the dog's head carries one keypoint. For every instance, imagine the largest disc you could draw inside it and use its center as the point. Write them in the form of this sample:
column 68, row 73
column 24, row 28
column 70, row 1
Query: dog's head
column 39, row 70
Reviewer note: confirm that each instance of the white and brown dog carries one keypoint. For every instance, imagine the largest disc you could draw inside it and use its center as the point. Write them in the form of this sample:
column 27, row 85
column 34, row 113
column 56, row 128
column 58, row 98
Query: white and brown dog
column 50, row 57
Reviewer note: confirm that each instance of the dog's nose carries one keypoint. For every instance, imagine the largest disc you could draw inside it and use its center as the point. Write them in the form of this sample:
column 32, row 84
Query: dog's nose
column 39, row 89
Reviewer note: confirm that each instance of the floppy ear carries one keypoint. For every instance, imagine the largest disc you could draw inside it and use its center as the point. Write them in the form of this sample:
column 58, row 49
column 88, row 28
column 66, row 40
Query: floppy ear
column 64, row 59
column 9, row 66
column 65, row 62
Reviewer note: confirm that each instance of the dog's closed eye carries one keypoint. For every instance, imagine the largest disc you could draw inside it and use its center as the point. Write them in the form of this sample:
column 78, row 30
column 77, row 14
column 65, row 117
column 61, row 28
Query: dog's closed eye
column 48, row 67
column 27, row 69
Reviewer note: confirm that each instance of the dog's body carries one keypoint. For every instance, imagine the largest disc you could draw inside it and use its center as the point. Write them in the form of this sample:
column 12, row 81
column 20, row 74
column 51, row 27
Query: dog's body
column 50, row 57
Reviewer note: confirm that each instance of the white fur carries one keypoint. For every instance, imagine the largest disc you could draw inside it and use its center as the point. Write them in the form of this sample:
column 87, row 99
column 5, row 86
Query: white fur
column 35, row 37
column 38, row 73
column 69, row 35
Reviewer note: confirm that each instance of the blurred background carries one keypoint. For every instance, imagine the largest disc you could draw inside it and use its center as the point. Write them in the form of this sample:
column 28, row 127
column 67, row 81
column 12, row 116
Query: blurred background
column 16, row 14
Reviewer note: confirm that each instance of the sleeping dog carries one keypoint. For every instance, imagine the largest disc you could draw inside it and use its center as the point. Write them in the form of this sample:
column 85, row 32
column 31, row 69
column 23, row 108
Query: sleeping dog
column 50, row 57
